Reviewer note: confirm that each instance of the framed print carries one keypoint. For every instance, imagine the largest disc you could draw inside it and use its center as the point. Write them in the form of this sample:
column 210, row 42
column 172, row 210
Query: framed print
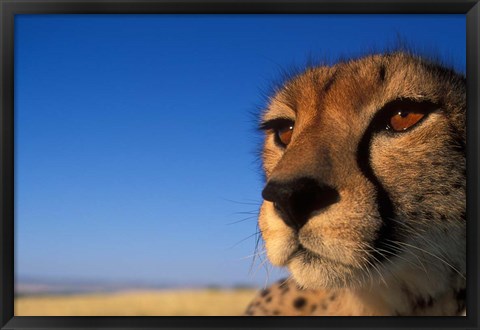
column 199, row 165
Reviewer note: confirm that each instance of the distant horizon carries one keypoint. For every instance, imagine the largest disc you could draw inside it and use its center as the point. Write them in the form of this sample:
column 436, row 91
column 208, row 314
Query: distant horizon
column 32, row 286
column 87, row 281
column 135, row 149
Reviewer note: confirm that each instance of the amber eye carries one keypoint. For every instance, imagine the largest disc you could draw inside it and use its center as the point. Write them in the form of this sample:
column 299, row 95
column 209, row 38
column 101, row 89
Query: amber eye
column 284, row 134
column 403, row 120
column 282, row 128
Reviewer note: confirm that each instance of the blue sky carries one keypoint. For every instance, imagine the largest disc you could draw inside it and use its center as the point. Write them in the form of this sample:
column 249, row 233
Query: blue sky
column 134, row 141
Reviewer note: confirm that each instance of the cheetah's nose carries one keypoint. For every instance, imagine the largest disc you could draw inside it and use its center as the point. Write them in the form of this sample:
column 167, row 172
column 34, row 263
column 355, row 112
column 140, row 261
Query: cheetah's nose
column 297, row 199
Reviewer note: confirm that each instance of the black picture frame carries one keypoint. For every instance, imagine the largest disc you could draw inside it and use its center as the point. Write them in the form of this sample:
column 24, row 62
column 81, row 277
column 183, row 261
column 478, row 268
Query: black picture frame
column 9, row 8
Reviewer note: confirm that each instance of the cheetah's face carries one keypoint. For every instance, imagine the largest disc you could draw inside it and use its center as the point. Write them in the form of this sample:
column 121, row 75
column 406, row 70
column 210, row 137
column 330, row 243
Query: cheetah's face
column 365, row 167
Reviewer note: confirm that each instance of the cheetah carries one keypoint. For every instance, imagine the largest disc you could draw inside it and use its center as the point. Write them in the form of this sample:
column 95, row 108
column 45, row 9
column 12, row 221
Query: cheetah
column 365, row 193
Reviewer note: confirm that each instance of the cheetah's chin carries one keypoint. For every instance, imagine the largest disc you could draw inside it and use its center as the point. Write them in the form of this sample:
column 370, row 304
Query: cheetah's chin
column 314, row 271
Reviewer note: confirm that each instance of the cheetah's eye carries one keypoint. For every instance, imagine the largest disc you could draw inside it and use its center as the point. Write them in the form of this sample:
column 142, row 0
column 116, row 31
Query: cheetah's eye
column 403, row 114
column 284, row 134
column 282, row 129
column 403, row 120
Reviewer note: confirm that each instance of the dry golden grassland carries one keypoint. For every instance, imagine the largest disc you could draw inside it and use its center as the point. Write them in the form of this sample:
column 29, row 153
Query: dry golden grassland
column 202, row 302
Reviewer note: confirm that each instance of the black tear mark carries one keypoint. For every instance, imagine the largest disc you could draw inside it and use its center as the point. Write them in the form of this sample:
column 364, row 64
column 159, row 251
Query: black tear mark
column 264, row 292
column 384, row 202
column 299, row 302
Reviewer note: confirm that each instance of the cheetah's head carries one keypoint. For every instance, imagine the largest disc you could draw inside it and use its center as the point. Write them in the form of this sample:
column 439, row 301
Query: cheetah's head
column 365, row 167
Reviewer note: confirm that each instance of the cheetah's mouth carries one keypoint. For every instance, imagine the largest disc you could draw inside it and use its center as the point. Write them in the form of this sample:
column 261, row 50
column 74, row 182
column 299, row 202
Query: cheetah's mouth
column 302, row 250
column 309, row 257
